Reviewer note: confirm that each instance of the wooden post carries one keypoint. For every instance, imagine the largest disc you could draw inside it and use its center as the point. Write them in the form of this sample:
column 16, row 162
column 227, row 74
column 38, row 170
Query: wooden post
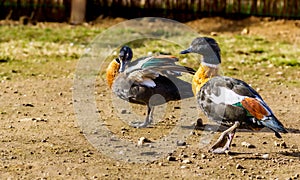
column 78, row 9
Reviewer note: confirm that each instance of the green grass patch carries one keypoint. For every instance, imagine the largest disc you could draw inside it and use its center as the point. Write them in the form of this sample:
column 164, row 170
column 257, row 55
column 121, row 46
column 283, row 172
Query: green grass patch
column 27, row 50
column 287, row 62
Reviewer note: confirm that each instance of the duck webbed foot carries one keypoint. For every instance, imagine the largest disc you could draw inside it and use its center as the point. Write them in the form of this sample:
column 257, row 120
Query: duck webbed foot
column 147, row 121
column 223, row 143
column 139, row 124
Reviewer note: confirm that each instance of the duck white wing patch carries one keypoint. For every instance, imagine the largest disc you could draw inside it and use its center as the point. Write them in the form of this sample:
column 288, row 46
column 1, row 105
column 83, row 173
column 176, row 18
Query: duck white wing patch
column 226, row 96
column 148, row 82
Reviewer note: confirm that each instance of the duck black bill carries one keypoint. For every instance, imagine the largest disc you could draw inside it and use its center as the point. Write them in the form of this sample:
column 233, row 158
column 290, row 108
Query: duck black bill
column 185, row 51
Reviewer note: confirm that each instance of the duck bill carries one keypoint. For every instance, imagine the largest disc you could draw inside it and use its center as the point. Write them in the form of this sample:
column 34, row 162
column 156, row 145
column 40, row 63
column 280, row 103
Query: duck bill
column 122, row 66
column 186, row 51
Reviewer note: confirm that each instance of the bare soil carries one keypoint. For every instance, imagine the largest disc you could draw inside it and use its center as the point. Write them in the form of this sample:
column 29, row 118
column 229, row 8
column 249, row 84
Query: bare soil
column 40, row 138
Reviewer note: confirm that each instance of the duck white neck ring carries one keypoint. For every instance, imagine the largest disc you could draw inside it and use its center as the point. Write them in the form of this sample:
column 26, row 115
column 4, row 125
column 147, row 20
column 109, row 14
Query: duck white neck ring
column 210, row 65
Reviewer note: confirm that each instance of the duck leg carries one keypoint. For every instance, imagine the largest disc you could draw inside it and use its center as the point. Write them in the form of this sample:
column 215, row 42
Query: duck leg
column 224, row 141
column 148, row 119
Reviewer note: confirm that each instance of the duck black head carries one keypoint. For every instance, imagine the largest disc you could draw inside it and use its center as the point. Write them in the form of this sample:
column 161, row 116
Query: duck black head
column 125, row 57
column 206, row 46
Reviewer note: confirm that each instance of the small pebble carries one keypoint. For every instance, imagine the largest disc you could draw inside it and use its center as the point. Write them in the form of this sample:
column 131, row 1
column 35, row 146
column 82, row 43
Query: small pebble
column 172, row 116
column 181, row 143
column 192, row 133
column 184, row 156
column 194, row 155
column 187, row 161
column 283, row 145
column 13, row 157
column 39, row 120
column 28, row 105
column 199, row 167
column 244, row 171
column 199, row 122
column 280, row 144
column 268, row 172
column 245, row 31
column 183, row 167
column 171, row 158
column 279, row 73
column 232, row 68
column 260, row 177
column 203, row 156
column 143, row 140
column 124, row 129
column 123, row 111
column 247, row 145
column 213, row 33
column 238, row 166
column 265, row 156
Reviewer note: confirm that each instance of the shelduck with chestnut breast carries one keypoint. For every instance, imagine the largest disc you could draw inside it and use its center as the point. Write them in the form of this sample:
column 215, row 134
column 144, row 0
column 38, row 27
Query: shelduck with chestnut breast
column 140, row 80
column 228, row 101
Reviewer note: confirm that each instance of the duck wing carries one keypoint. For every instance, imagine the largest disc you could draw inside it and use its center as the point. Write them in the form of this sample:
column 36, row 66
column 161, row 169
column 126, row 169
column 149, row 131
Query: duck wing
column 227, row 100
column 152, row 75
column 144, row 70
column 164, row 64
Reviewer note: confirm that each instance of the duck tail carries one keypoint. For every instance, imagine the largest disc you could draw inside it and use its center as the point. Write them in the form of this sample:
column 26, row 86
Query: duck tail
column 275, row 125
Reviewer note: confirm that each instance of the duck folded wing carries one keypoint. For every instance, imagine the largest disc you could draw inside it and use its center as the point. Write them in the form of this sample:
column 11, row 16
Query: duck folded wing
column 150, row 61
column 159, row 63
column 143, row 77
column 172, row 70
column 148, row 75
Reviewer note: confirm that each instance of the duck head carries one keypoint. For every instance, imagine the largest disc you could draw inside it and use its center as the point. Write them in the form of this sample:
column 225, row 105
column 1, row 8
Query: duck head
column 207, row 47
column 125, row 57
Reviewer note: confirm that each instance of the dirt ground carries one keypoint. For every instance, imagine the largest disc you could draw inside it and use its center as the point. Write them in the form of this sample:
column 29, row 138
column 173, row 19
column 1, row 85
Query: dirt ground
column 41, row 139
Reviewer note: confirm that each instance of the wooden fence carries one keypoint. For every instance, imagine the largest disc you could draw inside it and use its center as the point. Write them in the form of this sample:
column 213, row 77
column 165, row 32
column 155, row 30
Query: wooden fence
column 182, row 10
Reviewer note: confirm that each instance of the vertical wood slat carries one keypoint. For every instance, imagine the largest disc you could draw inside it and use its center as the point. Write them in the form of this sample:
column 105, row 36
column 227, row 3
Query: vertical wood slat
column 78, row 9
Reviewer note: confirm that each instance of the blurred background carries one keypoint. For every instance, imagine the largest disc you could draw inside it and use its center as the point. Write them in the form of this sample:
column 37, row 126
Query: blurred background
column 79, row 11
